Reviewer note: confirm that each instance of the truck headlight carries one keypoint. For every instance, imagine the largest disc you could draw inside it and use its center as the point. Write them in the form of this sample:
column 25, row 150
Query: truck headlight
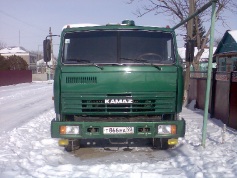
column 69, row 129
column 166, row 129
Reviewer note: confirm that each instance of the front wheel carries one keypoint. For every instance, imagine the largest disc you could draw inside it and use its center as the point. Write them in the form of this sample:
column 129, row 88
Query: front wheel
column 160, row 143
column 72, row 145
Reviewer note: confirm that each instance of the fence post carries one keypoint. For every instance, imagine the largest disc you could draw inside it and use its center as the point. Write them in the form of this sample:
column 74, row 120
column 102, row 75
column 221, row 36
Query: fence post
column 213, row 93
column 230, row 83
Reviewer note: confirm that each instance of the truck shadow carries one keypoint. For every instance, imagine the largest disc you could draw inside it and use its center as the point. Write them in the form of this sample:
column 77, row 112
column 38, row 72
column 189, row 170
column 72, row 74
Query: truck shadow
column 115, row 143
column 136, row 150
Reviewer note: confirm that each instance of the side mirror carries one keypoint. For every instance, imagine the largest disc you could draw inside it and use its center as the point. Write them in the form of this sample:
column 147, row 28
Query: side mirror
column 47, row 50
column 190, row 50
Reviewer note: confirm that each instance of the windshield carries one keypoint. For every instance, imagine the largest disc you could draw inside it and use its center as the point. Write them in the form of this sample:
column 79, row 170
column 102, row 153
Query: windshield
column 109, row 47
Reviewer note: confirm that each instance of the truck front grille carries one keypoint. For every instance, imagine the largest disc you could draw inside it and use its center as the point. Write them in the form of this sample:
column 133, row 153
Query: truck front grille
column 100, row 106
column 119, row 104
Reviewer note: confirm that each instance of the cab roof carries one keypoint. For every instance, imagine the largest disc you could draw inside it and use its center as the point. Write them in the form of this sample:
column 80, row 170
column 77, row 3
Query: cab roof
column 126, row 24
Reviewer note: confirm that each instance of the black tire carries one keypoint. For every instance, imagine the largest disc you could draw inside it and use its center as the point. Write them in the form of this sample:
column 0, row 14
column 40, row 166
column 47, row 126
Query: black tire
column 73, row 145
column 160, row 143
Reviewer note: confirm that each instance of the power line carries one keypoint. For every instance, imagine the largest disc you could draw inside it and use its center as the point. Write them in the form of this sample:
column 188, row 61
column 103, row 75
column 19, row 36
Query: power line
column 19, row 20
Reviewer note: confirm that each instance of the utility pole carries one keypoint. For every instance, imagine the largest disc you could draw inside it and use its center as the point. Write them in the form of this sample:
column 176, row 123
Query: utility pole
column 51, row 44
column 188, row 63
column 19, row 38
column 209, row 73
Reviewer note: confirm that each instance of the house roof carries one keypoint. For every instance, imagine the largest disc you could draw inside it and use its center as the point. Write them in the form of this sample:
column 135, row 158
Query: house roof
column 233, row 33
column 204, row 57
column 228, row 43
column 51, row 62
column 13, row 50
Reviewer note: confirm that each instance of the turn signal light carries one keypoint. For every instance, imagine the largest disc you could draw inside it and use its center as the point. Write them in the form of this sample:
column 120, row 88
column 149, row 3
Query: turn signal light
column 173, row 129
column 62, row 129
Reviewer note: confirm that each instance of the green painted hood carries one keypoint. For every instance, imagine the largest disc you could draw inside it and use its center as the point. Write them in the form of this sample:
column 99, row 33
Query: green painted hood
column 118, row 90
column 119, row 79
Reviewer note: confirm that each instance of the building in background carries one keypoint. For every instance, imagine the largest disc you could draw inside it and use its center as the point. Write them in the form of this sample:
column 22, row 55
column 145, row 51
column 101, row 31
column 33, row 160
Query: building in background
column 226, row 52
column 42, row 68
column 29, row 57
column 203, row 62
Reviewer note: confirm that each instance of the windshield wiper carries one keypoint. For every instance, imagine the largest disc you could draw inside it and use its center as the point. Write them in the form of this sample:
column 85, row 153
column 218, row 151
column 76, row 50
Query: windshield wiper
column 76, row 60
column 69, row 61
column 141, row 61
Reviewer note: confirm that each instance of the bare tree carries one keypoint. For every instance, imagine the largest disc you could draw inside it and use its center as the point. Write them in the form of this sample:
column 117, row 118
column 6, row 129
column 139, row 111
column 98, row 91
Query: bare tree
column 178, row 10
column 217, row 41
column 2, row 45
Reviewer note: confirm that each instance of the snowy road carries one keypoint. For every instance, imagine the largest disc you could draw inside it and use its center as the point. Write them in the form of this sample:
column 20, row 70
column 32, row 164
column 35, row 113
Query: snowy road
column 28, row 151
column 21, row 103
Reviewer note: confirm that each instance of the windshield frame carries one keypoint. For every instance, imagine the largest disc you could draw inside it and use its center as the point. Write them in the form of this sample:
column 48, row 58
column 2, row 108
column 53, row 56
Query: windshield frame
column 119, row 57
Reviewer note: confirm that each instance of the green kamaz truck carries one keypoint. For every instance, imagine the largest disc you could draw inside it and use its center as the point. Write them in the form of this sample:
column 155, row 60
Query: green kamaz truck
column 117, row 81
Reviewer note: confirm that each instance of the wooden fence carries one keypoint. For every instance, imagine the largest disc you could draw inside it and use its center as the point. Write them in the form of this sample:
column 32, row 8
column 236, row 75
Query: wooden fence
column 15, row 76
column 223, row 96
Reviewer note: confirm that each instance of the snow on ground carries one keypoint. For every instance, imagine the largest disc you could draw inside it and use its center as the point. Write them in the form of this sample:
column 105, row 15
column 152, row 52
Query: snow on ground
column 28, row 151
column 20, row 103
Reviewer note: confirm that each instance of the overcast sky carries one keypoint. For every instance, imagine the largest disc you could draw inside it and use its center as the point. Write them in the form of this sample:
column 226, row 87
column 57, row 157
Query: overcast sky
column 26, row 22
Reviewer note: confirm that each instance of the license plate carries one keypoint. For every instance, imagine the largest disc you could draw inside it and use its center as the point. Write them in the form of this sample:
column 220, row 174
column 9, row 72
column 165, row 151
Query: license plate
column 118, row 130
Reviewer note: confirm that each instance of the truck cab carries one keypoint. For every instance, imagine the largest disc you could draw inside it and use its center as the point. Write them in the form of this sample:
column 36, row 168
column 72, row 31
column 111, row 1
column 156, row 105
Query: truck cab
column 117, row 81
